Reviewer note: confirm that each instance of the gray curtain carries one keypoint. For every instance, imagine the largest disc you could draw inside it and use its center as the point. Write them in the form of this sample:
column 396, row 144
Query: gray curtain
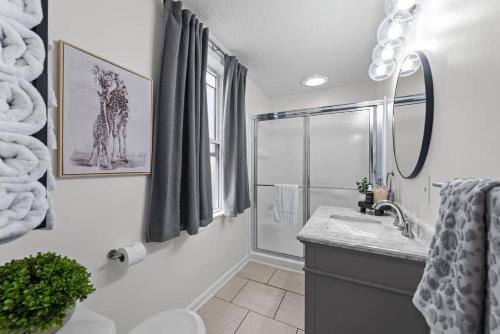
column 234, row 152
column 181, row 191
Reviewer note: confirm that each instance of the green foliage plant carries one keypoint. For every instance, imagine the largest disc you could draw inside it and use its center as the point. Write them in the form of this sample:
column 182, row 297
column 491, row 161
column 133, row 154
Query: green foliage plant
column 363, row 185
column 37, row 291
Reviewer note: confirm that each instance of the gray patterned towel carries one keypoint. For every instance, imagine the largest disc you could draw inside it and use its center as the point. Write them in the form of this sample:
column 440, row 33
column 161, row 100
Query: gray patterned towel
column 493, row 284
column 452, row 293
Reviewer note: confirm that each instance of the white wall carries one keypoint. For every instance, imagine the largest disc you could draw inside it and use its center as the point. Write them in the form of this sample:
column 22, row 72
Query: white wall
column 98, row 214
column 460, row 38
column 258, row 102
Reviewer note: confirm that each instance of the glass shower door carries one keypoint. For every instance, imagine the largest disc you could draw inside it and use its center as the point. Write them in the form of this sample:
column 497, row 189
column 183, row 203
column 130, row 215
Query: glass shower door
column 340, row 147
column 279, row 160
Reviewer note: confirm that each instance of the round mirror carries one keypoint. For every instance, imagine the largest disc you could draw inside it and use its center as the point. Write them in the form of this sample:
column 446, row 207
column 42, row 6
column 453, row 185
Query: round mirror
column 412, row 114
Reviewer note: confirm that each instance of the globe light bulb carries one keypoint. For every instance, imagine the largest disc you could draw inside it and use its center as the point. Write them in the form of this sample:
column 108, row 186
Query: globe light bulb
column 381, row 69
column 380, row 72
column 403, row 10
column 395, row 30
column 387, row 54
column 407, row 65
column 405, row 4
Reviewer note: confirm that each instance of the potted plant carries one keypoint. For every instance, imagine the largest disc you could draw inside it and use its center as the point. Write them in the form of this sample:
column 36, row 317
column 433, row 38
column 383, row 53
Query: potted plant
column 38, row 293
column 363, row 188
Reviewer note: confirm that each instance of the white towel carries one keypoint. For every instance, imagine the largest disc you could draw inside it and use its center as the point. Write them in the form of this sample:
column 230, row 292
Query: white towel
column 23, row 207
column 22, row 158
column 286, row 204
column 22, row 53
column 27, row 12
column 22, row 109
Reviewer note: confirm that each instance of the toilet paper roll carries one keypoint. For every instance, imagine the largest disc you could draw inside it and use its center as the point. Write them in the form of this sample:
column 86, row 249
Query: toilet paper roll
column 133, row 254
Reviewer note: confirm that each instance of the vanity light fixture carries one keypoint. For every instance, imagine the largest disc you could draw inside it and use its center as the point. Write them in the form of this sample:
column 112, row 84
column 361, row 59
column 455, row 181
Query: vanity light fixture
column 315, row 80
column 392, row 36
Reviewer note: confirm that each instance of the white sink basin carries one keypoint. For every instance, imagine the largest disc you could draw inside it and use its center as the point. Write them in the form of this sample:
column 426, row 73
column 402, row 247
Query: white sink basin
column 360, row 226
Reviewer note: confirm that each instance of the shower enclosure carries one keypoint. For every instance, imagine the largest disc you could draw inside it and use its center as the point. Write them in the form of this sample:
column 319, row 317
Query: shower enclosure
column 324, row 151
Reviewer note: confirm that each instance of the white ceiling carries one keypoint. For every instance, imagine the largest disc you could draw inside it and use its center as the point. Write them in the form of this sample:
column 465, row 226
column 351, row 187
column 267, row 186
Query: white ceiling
column 283, row 41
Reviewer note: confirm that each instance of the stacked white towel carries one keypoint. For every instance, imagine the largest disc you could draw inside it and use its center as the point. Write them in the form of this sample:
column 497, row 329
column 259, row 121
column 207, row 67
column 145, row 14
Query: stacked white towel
column 23, row 207
column 27, row 12
column 286, row 204
column 22, row 53
column 52, row 104
column 22, row 158
column 22, row 109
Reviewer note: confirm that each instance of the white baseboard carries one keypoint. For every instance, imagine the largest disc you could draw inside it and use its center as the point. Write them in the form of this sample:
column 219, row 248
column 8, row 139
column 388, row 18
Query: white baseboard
column 277, row 261
column 212, row 290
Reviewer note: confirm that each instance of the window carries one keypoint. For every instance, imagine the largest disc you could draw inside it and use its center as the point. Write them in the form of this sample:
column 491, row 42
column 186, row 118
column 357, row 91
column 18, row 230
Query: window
column 214, row 108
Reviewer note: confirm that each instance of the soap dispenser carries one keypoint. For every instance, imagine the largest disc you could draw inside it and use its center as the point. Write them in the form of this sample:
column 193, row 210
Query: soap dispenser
column 369, row 195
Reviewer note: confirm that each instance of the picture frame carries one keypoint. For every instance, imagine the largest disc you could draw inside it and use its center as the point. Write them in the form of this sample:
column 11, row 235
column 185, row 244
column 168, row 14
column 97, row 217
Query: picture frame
column 105, row 116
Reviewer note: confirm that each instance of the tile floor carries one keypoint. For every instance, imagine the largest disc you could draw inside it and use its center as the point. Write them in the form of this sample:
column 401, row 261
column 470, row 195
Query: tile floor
column 260, row 299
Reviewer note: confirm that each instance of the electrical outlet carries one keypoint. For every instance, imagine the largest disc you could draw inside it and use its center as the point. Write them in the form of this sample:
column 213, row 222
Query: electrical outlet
column 426, row 189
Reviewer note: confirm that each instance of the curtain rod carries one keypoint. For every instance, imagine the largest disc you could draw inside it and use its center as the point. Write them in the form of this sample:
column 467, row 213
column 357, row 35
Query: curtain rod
column 217, row 49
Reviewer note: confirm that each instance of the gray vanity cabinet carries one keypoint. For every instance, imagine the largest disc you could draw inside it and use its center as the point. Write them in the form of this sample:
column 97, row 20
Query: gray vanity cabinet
column 356, row 292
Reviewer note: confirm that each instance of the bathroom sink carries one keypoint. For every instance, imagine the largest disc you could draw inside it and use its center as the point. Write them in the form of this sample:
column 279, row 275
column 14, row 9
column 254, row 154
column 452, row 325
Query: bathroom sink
column 348, row 228
column 357, row 226
column 355, row 219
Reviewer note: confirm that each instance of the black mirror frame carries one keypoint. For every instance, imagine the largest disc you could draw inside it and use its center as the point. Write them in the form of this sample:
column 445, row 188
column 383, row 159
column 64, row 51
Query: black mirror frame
column 429, row 118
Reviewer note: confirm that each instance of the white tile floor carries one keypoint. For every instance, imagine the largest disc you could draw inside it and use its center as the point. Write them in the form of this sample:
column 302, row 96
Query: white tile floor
column 260, row 299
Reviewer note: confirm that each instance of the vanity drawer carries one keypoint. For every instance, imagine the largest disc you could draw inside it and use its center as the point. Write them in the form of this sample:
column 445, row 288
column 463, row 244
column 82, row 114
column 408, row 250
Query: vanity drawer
column 386, row 272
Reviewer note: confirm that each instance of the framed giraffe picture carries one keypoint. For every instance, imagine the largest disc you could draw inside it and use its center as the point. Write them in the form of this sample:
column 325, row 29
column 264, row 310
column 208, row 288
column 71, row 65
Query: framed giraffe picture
column 105, row 116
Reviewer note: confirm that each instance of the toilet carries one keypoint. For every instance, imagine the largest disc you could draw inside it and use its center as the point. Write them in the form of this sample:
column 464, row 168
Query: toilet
column 171, row 322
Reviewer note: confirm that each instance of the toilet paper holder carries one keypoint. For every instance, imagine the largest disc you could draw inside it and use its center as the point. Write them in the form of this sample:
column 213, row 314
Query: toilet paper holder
column 116, row 255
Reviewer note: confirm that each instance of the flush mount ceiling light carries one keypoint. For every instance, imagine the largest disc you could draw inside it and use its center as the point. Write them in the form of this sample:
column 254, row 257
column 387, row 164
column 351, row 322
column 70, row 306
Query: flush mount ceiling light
column 314, row 80
column 392, row 35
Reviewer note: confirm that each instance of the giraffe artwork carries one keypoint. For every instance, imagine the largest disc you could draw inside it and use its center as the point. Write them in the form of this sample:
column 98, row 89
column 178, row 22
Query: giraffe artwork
column 110, row 127
column 101, row 130
column 106, row 117
column 118, row 119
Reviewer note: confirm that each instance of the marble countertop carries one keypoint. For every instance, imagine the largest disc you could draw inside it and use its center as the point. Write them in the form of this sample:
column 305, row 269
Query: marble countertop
column 366, row 233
